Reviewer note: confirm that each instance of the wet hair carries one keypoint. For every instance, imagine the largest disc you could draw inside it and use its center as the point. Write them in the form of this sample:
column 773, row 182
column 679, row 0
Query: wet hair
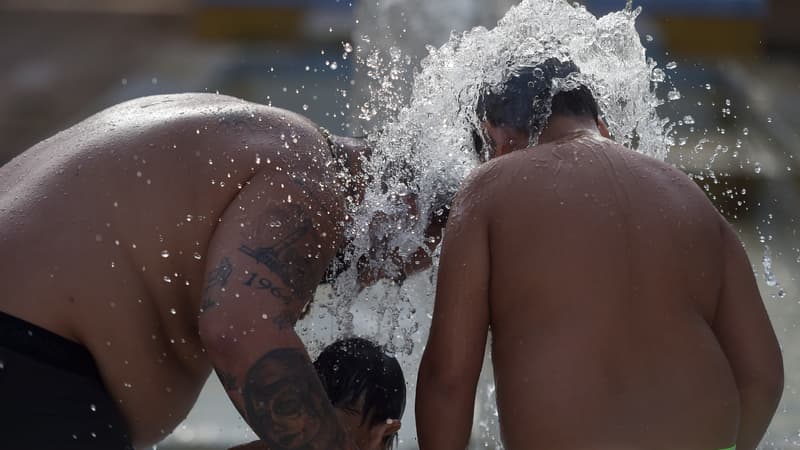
column 356, row 368
column 525, row 100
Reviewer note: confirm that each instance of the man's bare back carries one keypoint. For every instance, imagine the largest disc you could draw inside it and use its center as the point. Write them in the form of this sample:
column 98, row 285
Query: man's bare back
column 623, row 309
column 608, row 298
column 108, row 225
column 610, row 276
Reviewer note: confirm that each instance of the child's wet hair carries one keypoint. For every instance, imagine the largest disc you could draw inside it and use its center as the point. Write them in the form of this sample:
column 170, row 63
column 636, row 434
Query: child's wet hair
column 353, row 369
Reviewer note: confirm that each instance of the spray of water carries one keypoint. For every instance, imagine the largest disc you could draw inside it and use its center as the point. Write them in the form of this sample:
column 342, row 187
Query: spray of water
column 425, row 151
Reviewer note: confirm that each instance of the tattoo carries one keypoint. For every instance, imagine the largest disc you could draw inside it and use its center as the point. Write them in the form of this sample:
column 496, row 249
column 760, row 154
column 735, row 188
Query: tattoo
column 283, row 259
column 287, row 406
column 266, row 284
column 217, row 278
column 227, row 379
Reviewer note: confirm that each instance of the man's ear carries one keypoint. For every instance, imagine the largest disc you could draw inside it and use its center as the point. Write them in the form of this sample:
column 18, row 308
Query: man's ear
column 601, row 125
column 381, row 431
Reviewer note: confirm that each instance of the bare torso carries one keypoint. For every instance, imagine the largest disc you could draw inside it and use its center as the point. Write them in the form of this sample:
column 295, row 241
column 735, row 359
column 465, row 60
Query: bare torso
column 105, row 228
column 601, row 312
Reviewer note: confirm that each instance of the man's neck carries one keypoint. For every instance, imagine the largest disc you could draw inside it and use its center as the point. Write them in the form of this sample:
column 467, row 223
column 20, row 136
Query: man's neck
column 561, row 127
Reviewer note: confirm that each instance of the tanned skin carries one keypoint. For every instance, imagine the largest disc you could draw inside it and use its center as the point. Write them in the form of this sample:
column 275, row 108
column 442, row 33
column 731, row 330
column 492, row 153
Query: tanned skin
column 174, row 235
column 624, row 312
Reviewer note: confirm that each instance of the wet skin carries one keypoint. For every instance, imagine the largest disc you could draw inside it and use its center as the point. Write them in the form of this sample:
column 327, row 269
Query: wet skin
column 248, row 218
column 623, row 310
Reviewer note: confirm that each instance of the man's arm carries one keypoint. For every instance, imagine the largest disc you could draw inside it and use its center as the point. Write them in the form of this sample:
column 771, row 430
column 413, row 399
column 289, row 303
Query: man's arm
column 451, row 364
column 265, row 258
column 748, row 340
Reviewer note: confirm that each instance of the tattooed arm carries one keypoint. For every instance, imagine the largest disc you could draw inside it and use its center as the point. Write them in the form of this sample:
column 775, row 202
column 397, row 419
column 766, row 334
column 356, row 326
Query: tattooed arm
column 269, row 253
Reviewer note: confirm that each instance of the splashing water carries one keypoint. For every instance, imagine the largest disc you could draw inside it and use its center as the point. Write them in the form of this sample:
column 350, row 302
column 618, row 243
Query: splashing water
column 422, row 155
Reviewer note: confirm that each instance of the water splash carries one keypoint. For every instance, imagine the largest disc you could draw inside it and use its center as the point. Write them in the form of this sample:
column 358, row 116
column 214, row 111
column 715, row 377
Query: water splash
column 425, row 150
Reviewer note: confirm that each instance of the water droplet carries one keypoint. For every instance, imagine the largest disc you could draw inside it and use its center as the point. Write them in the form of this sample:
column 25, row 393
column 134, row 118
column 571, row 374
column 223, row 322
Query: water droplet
column 197, row 256
column 165, row 253
column 305, row 107
column 689, row 120
column 674, row 95
column 658, row 76
column 127, row 385
column 348, row 47
column 746, row 131
column 264, row 316
column 757, row 167
column 766, row 262
column 672, row 65
column 93, row 407
column 334, row 65
column 769, row 120
column 648, row 38
column 189, row 217
column 173, row 311
column 139, row 174
column 167, row 279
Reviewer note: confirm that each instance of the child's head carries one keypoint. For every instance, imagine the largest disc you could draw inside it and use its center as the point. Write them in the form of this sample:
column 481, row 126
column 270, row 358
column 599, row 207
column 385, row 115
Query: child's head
column 367, row 388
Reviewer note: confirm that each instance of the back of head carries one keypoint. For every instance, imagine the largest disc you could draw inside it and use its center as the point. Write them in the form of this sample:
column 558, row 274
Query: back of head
column 355, row 369
column 528, row 96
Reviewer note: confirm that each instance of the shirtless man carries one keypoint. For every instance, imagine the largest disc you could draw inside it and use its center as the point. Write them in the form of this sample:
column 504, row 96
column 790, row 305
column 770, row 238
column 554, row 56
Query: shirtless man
column 155, row 241
column 623, row 309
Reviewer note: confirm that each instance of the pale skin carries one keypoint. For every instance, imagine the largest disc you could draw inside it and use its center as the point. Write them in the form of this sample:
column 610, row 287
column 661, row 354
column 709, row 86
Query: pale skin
column 624, row 312
column 176, row 235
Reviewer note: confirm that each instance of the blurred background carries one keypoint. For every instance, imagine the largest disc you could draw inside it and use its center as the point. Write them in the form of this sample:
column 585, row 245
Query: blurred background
column 731, row 70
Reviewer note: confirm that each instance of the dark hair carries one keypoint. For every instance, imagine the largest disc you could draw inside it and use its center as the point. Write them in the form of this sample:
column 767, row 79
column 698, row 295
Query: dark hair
column 524, row 99
column 356, row 367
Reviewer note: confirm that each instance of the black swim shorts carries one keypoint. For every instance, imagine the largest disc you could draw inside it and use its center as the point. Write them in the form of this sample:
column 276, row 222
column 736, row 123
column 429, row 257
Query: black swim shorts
column 51, row 394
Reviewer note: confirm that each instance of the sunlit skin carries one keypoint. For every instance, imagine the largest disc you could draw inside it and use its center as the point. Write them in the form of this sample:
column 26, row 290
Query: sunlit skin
column 171, row 235
column 624, row 312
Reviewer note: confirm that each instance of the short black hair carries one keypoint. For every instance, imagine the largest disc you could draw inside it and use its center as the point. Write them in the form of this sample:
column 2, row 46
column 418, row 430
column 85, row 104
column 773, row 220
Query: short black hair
column 355, row 367
column 525, row 97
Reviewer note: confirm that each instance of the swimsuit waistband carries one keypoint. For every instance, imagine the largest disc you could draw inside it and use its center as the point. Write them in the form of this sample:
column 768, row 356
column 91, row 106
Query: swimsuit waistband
column 46, row 347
